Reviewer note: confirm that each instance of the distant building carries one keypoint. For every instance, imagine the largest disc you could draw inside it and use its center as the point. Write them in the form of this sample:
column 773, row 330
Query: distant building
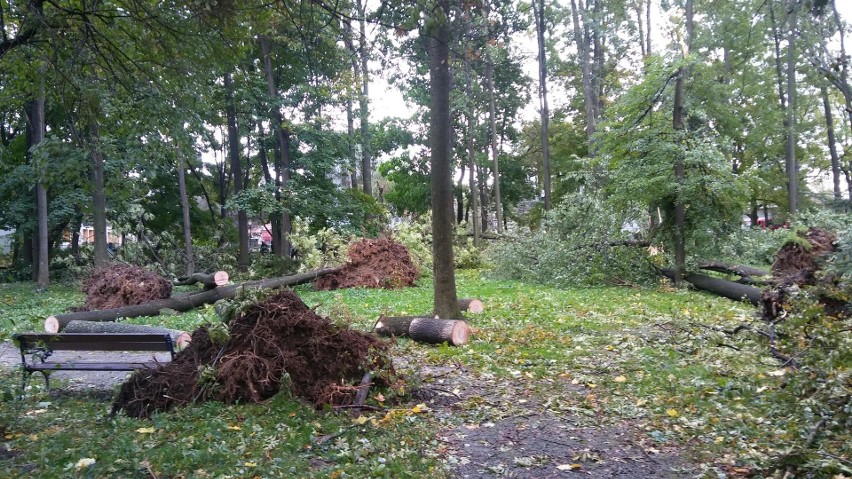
column 6, row 241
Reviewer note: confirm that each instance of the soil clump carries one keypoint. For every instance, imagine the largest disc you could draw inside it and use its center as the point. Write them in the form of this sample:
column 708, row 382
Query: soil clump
column 273, row 344
column 373, row 263
column 119, row 285
column 798, row 261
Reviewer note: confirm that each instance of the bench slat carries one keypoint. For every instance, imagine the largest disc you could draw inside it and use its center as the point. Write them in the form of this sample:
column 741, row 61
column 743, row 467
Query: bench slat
column 97, row 342
column 129, row 366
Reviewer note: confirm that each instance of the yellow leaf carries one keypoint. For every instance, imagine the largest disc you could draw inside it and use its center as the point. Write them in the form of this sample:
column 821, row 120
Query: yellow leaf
column 641, row 402
column 620, row 379
column 777, row 373
column 251, row 464
column 380, row 397
column 672, row 412
column 361, row 420
column 718, row 440
column 146, row 430
column 234, row 428
column 419, row 408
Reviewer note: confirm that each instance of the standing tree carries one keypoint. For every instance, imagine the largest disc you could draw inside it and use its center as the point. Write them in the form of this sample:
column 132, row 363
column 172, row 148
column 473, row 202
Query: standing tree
column 538, row 10
column 437, row 30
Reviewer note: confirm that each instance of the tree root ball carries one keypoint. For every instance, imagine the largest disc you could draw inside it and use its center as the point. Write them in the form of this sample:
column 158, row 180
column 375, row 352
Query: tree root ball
column 119, row 285
column 373, row 263
column 797, row 262
column 274, row 339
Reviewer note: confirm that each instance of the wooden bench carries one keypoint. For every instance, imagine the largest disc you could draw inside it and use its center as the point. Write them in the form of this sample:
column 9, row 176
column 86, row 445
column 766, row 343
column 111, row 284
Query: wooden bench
column 37, row 349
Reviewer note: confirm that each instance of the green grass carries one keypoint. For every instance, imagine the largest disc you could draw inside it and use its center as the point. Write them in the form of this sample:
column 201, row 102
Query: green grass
column 630, row 354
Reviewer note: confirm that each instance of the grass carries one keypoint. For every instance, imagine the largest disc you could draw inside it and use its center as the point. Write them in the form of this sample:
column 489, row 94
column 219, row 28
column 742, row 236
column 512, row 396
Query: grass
column 638, row 355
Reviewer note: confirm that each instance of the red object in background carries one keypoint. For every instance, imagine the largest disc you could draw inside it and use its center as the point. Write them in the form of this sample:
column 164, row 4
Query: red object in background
column 265, row 236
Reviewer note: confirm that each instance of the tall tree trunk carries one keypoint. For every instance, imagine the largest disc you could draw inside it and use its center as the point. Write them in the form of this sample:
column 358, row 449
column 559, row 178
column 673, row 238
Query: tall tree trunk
column 350, row 110
column 243, row 259
column 832, row 143
column 792, row 166
column 364, row 108
column 538, row 7
column 648, row 50
column 492, row 126
column 184, row 204
column 282, row 158
column 35, row 135
column 641, row 27
column 583, row 42
column 680, row 170
column 445, row 299
column 474, row 190
column 98, row 195
column 461, row 215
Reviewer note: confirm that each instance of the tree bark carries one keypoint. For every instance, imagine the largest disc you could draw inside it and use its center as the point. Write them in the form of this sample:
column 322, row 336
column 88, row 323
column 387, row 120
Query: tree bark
column 210, row 281
column 680, row 170
column 364, row 100
column 721, row 287
column 394, row 325
column 792, row 166
column 243, row 259
column 538, row 7
column 350, row 112
column 98, row 196
column 445, row 296
column 832, row 143
column 180, row 339
column 184, row 204
column 474, row 191
column 583, row 42
column 737, row 269
column 437, row 331
column 185, row 302
column 35, row 135
column 282, row 158
column 492, row 120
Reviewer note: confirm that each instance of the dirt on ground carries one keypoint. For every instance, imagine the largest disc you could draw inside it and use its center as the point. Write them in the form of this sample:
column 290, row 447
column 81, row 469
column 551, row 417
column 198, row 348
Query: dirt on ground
column 373, row 263
column 797, row 262
column 119, row 285
column 278, row 342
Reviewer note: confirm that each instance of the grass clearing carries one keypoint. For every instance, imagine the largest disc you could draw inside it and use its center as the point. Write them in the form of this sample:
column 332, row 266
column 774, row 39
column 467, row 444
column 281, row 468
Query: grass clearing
column 601, row 357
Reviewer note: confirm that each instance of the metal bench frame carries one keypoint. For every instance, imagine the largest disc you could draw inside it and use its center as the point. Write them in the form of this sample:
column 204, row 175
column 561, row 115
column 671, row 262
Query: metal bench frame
column 40, row 347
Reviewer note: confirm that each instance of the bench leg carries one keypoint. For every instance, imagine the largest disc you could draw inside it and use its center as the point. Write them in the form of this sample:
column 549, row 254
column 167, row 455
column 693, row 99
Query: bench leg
column 24, row 376
column 46, row 375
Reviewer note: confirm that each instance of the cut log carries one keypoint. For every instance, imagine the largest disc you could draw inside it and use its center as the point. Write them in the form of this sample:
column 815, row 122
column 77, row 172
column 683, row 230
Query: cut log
column 737, row 269
column 361, row 395
column 55, row 323
column 210, row 281
column 435, row 331
column 471, row 305
column 180, row 339
column 394, row 325
column 721, row 287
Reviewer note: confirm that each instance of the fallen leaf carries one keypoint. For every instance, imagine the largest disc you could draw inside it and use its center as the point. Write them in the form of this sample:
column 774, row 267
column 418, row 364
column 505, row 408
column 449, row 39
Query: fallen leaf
column 778, row 373
column 361, row 420
column 146, row 430
column 672, row 412
column 419, row 408
column 620, row 379
column 234, row 428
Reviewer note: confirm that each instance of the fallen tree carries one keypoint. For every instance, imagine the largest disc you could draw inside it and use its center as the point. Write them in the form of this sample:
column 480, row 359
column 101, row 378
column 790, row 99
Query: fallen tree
column 180, row 339
column 736, row 269
column 57, row 322
column 719, row 286
column 210, row 281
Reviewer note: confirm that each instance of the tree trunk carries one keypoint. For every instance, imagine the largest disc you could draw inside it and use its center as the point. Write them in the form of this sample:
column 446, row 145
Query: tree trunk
column 832, row 143
column 180, row 339
column 35, row 135
column 184, row 203
column 721, row 287
column 56, row 322
column 445, row 296
column 474, row 191
column 98, row 196
column 437, row 331
column 350, row 111
column 210, row 281
column 282, row 158
column 538, row 7
column 243, row 259
column 680, row 170
column 364, row 99
column 492, row 120
column 792, row 135
column 583, row 42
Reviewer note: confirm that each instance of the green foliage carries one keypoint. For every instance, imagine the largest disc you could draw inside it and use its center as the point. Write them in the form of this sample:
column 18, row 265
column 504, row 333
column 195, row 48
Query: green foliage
column 411, row 190
column 751, row 246
column 326, row 247
column 574, row 247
